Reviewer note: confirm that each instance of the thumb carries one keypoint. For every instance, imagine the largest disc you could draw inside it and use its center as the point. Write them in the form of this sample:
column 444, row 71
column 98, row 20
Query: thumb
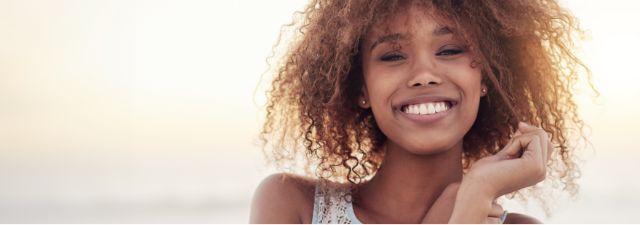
column 512, row 150
column 525, row 127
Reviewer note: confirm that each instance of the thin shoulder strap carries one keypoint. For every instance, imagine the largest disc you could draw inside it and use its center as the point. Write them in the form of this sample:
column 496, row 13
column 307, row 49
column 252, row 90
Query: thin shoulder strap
column 316, row 205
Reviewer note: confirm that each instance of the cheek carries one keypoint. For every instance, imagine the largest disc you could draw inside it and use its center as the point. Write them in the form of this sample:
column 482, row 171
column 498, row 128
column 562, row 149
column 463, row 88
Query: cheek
column 472, row 93
column 380, row 85
column 379, row 93
column 468, row 79
column 380, row 89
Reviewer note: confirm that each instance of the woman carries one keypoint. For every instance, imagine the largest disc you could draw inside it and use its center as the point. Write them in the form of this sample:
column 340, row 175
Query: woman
column 420, row 111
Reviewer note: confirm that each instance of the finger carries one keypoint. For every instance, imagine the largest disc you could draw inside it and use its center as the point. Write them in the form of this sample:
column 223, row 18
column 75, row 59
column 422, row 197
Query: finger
column 534, row 159
column 511, row 150
column 526, row 128
column 515, row 146
column 496, row 210
column 530, row 129
column 544, row 146
column 533, row 149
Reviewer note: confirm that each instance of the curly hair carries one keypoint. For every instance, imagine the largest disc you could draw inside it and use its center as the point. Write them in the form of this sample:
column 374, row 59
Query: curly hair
column 524, row 50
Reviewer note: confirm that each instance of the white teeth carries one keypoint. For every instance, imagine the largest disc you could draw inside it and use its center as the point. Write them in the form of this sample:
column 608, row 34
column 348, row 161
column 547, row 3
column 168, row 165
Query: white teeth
column 426, row 108
column 423, row 109
column 441, row 106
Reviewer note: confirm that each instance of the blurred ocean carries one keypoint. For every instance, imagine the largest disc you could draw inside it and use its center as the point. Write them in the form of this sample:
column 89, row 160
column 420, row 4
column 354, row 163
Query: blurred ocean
column 170, row 190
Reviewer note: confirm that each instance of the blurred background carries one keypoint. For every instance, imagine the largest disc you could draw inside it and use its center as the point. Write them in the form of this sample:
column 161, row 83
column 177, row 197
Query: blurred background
column 146, row 111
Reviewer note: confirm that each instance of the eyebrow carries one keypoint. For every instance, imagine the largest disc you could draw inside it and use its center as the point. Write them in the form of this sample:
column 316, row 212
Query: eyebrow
column 443, row 30
column 387, row 38
column 439, row 31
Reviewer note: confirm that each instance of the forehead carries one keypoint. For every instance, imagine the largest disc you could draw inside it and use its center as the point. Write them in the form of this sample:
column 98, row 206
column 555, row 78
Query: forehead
column 408, row 22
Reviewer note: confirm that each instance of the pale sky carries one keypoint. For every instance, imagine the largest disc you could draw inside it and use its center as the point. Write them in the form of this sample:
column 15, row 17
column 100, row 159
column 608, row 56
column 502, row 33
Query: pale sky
column 128, row 102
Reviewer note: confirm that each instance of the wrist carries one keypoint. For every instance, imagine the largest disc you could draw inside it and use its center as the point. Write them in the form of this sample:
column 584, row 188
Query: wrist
column 478, row 186
column 472, row 204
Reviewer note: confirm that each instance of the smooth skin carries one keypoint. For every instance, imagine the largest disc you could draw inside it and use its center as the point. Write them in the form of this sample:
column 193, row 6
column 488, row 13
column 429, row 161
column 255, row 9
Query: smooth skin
column 421, row 178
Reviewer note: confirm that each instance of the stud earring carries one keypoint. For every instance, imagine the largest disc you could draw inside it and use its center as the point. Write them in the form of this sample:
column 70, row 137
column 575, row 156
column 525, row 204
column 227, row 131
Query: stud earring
column 364, row 102
column 484, row 91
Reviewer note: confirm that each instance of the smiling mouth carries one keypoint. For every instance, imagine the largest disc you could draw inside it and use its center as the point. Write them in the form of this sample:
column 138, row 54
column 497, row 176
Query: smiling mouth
column 427, row 108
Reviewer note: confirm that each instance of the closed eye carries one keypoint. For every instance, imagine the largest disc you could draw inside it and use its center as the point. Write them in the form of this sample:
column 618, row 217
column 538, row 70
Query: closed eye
column 449, row 52
column 392, row 57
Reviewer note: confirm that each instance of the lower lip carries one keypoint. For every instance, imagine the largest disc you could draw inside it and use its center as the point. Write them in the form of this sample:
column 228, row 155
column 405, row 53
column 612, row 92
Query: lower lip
column 427, row 119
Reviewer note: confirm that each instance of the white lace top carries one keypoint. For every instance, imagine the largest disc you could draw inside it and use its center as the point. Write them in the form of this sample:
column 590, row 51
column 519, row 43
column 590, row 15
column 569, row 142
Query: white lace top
column 332, row 204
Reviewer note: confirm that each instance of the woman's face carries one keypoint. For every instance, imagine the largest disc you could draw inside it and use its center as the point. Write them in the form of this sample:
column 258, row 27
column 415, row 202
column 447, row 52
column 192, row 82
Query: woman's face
column 420, row 84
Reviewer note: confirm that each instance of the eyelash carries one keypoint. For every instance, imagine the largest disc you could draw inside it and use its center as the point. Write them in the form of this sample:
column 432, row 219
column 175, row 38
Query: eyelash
column 449, row 52
column 391, row 57
column 445, row 53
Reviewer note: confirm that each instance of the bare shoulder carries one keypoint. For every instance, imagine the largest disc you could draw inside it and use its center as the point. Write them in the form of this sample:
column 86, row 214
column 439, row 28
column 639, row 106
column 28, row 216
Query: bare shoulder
column 283, row 198
column 517, row 218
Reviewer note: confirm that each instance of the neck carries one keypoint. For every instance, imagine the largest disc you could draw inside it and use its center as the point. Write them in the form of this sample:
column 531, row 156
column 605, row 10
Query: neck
column 407, row 184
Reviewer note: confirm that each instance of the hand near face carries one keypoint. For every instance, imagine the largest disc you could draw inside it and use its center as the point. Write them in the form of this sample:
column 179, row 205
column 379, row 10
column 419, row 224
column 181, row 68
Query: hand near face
column 507, row 171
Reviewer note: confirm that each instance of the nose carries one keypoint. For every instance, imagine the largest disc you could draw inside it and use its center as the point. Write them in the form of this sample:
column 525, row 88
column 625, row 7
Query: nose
column 424, row 73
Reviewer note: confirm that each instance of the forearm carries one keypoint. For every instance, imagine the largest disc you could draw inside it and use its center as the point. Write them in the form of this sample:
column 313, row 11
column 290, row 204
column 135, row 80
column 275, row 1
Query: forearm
column 471, row 205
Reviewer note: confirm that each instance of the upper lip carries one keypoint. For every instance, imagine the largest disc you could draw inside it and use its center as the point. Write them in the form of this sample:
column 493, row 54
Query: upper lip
column 424, row 99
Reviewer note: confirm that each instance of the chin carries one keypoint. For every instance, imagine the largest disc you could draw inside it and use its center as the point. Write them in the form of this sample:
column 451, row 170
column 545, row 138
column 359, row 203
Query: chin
column 428, row 147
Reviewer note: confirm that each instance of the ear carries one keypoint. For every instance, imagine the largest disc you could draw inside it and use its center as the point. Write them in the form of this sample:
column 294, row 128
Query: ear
column 483, row 90
column 363, row 100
